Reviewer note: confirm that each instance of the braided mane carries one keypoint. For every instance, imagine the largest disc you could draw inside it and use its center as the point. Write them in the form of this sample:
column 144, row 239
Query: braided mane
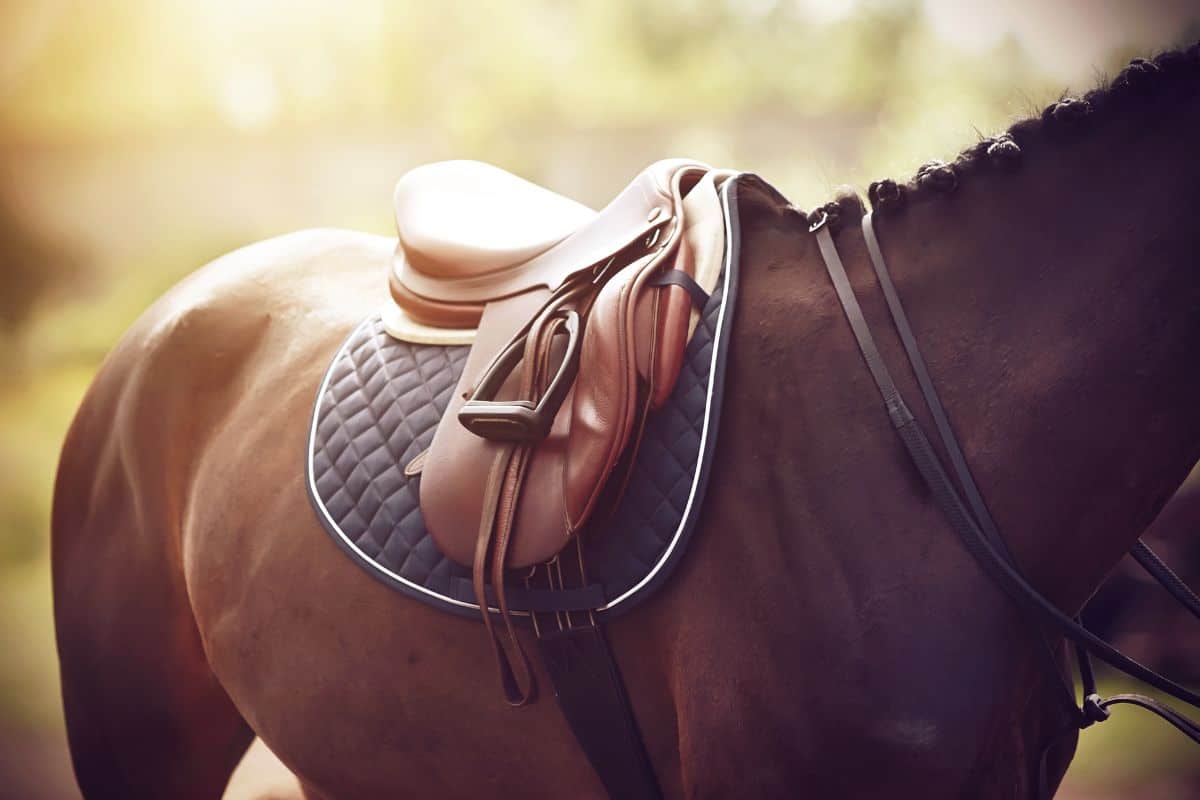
column 1137, row 84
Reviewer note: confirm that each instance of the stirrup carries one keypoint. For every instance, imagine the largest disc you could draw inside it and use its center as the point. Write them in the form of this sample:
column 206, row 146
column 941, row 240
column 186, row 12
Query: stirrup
column 522, row 420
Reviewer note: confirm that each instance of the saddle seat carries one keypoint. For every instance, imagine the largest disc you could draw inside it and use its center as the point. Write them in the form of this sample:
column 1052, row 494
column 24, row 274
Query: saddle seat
column 470, row 233
column 461, row 219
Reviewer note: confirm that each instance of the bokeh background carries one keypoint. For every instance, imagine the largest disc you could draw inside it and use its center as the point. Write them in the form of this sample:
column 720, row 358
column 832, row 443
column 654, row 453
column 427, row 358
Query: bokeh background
column 142, row 138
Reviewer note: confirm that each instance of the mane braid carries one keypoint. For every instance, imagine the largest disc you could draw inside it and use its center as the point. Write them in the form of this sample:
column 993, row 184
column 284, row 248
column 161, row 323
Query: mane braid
column 1142, row 80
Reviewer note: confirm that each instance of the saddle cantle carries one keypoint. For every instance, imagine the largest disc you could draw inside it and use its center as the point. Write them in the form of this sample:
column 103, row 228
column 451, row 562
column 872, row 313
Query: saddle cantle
column 467, row 232
column 582, row 319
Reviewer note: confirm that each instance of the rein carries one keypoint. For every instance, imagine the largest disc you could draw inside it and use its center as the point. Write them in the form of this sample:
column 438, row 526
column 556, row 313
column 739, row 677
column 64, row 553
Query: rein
column 972, row 521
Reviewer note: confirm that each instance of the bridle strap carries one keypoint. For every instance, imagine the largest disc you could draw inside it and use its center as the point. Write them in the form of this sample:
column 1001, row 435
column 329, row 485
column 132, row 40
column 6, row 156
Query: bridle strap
column 896, row 408
column 1187, row 727
column 1166, row 577
column 957, row 460
column 966, row 480
column 1140, row 551
column 991, row 558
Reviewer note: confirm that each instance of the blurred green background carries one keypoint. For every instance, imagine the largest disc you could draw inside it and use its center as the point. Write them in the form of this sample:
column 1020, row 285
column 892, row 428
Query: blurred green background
column 142, row 138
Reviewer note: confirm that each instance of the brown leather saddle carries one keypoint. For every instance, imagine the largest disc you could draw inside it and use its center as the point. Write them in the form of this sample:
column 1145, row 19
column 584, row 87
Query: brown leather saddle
column 580, row 322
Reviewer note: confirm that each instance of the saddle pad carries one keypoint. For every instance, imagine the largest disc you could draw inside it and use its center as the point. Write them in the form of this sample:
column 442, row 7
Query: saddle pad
column 377, row 409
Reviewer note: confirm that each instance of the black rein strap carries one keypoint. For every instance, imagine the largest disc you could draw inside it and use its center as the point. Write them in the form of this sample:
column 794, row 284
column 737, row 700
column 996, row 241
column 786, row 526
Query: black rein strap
column 978, row 531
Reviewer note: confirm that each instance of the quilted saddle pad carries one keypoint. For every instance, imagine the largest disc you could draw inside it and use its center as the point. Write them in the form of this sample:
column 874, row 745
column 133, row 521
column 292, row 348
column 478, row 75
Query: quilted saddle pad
column 381, row 400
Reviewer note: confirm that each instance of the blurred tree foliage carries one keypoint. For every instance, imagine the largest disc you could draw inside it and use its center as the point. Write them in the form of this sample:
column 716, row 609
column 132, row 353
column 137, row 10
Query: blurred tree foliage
column 31, row 265
column 481, row 77
column 459, row 65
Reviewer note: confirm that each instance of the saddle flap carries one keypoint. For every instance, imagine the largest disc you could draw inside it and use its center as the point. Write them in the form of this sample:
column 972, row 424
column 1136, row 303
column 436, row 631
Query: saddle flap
column 456, row 470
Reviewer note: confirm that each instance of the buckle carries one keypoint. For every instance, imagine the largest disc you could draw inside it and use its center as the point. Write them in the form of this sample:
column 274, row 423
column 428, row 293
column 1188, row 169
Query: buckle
column 522, row 420
column 1093, row 710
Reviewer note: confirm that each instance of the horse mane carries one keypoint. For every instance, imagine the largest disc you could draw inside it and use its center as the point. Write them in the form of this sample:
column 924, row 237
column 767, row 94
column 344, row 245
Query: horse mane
column 1141, row 82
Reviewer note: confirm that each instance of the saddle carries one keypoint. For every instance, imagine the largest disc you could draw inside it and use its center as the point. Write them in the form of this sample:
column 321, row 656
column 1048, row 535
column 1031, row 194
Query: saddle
column 578, row 321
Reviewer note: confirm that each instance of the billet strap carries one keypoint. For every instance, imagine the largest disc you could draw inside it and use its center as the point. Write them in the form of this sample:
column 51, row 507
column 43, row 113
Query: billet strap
column 505, row 517
column 944, row 493
column 524, row 600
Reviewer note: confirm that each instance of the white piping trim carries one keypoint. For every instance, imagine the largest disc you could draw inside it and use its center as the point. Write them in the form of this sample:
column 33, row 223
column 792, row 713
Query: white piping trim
column 687, row 510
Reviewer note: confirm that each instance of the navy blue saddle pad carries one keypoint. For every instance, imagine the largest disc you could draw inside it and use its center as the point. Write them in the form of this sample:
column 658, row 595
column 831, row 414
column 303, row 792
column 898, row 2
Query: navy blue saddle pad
column 382, row 399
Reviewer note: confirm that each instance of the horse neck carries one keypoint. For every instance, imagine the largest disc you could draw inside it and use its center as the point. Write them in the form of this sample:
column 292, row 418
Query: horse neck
column 1059, row 310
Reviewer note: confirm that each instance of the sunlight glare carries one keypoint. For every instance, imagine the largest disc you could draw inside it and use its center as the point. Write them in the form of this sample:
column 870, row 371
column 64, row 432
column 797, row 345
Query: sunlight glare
column 249, row 97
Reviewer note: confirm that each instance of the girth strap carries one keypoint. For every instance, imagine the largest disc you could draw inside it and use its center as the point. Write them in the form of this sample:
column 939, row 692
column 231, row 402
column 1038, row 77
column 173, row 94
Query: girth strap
column 991, row 555
column 592, row 696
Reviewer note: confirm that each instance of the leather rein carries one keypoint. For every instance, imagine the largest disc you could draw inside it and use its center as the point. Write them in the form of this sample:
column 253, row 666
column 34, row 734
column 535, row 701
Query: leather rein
column 973, row 522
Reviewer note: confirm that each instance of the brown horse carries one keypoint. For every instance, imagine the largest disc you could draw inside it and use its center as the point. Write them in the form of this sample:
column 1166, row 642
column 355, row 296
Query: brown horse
column 827, row 635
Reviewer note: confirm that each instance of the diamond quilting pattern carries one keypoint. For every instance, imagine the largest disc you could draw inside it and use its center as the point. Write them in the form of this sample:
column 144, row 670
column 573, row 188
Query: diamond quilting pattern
column 378, row 409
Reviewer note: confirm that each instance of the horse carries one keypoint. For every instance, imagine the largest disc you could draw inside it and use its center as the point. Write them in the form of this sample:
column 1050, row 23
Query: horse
column 826, row 634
